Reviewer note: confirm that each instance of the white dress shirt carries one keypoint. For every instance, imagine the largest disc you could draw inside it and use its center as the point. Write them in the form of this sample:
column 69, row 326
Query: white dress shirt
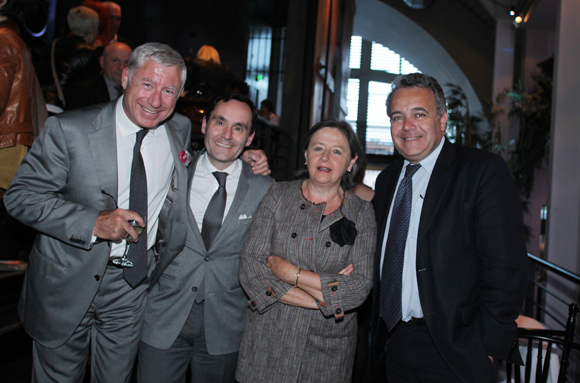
column 205, row 185
column 410, row 301
column 156, row 153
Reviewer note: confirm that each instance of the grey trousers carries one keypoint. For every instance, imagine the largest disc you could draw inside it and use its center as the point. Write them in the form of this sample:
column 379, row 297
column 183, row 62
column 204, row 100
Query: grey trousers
column 110, row 329
column 170, row 366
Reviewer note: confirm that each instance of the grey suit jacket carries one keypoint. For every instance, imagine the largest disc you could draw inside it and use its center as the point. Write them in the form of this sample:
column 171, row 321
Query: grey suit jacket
column 179, row 275
column 57, row 190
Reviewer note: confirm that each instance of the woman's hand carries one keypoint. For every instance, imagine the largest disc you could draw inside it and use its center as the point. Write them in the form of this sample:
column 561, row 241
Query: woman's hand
column 347, row 270
column 281, row 268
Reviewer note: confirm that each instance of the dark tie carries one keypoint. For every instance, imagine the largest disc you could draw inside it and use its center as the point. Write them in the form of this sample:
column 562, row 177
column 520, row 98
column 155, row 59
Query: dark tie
column 138, row 203
column 392, row 274
column 212, row 221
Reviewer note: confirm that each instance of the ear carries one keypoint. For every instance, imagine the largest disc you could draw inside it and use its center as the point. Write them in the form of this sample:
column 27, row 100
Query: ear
column 102, row 62
column 203, row 123
column 249, row 140
column 443, row 122
column 125, row 78
column 352, row 162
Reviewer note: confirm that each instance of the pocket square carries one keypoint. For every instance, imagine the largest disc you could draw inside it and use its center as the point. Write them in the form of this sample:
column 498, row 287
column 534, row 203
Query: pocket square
column 243, row 216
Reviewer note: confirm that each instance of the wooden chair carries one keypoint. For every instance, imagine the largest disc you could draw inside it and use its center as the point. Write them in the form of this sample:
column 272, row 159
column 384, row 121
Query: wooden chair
column 542, row 342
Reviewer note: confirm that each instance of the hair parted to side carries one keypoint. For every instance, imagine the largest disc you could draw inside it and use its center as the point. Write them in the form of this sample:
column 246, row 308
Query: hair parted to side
column 236, row 97
column 209, row 53
column 161, row 54
column 418, row 80
column 82, row 20
column 348, row 180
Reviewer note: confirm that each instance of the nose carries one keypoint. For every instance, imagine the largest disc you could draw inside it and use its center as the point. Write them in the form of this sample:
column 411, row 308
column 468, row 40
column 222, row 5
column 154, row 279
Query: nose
column 325, row 155
column 122, row 65
column 227, row 133
column 155, row 99
column 408, row 124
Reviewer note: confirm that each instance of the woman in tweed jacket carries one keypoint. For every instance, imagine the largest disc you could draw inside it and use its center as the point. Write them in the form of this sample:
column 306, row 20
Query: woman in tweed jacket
column 306, row 264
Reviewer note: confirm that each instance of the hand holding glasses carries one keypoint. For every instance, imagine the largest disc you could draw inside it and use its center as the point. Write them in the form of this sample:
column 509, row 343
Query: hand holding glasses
column 123, row 261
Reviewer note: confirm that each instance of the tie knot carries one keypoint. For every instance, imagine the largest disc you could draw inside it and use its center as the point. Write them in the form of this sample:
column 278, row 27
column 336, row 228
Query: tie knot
column 141, row 135
column 411, row 170
column 221, row 178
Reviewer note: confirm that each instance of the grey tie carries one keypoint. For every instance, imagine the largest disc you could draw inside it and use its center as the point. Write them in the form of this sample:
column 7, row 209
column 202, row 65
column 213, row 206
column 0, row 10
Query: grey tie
column 212, row 221
column 392, row 274
column 138, row 203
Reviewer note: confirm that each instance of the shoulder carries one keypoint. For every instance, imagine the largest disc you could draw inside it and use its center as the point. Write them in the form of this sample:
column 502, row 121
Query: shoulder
column 473, row 158
column 355, row 206
column 256, row 180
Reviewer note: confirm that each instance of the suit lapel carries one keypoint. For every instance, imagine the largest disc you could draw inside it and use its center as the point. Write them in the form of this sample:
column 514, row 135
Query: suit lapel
column 444, row 168
column 104, row 151
column 190, row 217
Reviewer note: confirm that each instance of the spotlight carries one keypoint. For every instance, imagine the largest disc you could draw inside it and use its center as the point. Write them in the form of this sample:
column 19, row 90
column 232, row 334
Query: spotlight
column 518, row 19
column 512, row 11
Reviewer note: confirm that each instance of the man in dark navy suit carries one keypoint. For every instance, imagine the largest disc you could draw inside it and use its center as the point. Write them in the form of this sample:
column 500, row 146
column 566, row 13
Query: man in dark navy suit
column 450, row 267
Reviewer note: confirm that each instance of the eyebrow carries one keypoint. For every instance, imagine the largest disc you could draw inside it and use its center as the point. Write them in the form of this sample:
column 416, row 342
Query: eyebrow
column 222, row 118
column 152, row 81
column 415, row 109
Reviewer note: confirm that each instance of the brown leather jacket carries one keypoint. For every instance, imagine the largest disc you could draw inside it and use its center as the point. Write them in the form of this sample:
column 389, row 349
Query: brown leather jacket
column 18, row 89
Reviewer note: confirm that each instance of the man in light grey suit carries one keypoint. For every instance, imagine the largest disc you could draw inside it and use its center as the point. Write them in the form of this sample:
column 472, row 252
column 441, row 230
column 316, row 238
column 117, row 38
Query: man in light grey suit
column 74, row 188
column 196, row 308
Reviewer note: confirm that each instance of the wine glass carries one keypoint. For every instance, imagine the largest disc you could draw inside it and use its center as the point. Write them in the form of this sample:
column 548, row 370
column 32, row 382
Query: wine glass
column 124, row 261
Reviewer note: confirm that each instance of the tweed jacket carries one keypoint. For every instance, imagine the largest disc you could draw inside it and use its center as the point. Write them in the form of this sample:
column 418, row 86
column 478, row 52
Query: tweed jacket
column 284, row 343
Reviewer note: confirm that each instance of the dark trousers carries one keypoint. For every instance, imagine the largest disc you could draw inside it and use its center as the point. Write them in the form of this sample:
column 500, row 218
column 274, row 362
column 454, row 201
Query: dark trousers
column 156, row 365
column 412, row 357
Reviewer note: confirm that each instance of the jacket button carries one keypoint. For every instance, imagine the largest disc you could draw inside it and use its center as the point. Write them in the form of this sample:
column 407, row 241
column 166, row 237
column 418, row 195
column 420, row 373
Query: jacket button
column 253, row 304
column 303, row 206
column 97, row 278
column 338, row 311
column 294, row 235
column 194, row 289
column 206, row 258
column 269, row 293
column 334, row 288
column 328, row 244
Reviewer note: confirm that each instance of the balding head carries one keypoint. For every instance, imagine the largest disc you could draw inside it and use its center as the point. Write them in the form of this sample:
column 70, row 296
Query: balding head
column 115, row 20
column 114, row 59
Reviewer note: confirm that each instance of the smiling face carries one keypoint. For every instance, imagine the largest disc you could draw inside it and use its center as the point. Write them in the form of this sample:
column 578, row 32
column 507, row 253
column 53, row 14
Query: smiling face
column 115, row 58
column 328, row 157
column 150, row 97
column 416, row 128
column 227, row 132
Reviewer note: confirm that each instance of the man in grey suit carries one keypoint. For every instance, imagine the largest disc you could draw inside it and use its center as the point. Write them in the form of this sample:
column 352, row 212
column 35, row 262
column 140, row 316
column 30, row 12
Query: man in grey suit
column 196, row 308
column 75, row 187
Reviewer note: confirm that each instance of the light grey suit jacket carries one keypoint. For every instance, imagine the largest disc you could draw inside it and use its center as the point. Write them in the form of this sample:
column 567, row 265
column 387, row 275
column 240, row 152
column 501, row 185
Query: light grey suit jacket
column 180, row 274
column 57, row 190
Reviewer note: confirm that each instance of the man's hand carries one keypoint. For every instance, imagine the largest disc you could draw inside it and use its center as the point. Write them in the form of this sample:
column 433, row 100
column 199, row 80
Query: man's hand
column 113, row 225
column 258, row 160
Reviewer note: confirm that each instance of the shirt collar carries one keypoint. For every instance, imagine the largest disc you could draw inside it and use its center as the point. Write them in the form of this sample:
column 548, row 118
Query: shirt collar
column 428, row 163
column 207, row 168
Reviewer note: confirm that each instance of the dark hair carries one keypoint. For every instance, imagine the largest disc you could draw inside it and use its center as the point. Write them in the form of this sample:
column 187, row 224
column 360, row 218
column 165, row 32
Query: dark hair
column 268, row 105
column 348, row 180
column 236, row 97
column 418, row 80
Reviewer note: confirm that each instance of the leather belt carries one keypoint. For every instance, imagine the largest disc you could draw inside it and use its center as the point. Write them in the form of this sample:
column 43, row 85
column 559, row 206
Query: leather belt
column 416, row 322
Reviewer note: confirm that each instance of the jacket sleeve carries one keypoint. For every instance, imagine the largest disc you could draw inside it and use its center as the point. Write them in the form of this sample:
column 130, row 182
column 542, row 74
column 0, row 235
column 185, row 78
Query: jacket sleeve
column 342, row 292
column 36, row 195
column 259, row 283
column 501, row 248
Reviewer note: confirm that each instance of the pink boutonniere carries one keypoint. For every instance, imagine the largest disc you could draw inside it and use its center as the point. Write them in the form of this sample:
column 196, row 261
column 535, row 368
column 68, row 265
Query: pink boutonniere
column 185, row 157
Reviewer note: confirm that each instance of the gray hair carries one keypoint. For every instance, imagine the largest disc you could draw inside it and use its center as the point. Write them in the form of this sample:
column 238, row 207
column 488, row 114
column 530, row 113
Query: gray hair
column 348, row 180
column 418, row 80
column 82, row 20
column 161, row 54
